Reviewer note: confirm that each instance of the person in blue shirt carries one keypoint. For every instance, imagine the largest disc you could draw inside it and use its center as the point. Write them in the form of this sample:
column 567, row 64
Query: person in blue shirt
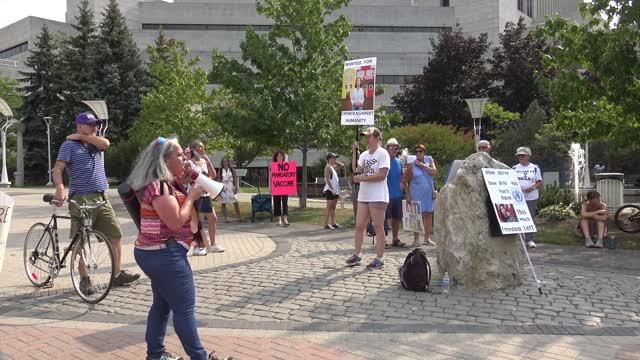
column 396, row 191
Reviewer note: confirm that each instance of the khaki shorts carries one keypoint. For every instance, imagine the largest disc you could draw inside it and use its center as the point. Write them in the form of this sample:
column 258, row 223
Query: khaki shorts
column 373, row 204
column 103, row 219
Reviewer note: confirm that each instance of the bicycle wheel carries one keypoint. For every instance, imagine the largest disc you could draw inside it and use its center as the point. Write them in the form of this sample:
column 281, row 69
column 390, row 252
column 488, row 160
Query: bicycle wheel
column 92, row 266
column 38, row 254
column 628, row 218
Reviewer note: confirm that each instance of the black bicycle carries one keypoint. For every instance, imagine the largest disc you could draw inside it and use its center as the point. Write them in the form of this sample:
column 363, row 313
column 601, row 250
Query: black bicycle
column 627, row 218
column 92, row 265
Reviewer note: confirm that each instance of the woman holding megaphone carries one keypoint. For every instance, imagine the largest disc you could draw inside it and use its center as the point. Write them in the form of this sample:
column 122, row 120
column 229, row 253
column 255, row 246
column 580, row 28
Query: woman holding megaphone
column 167, row 224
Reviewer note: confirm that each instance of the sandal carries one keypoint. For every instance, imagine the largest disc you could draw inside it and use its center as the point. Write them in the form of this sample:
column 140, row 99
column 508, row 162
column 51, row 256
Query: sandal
column 398, row 243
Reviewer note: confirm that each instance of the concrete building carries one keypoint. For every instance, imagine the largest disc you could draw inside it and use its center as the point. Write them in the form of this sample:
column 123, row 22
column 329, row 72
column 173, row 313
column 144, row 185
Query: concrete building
column 395, row 31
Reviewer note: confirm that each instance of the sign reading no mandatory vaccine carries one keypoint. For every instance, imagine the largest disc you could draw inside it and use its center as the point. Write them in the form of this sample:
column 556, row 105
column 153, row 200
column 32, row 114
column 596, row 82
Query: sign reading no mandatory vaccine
column 358, row 92
column 508, row 201
column 283, row 178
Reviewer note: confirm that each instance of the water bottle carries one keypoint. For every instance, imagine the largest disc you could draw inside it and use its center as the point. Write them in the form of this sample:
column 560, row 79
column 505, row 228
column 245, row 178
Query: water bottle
column 446, row 283
column 612, row 242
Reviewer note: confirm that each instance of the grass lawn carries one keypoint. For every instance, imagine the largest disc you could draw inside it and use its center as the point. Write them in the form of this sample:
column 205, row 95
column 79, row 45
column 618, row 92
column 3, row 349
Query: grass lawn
column 564, row 233
column 313, row 216
column 248, row 190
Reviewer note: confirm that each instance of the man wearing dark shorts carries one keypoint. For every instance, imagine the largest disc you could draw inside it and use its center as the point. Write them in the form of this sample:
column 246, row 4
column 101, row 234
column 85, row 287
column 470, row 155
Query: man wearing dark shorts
column 394, row 183
column 82, row 156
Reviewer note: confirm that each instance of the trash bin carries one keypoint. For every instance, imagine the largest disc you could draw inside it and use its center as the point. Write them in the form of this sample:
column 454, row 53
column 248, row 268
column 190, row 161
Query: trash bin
column 611, row 188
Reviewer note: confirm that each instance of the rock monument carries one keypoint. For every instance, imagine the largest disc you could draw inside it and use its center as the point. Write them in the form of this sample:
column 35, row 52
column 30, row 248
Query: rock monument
column 466, row 248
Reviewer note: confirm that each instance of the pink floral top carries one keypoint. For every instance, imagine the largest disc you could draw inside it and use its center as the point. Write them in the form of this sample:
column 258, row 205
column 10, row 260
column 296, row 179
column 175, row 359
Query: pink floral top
column 154, row 232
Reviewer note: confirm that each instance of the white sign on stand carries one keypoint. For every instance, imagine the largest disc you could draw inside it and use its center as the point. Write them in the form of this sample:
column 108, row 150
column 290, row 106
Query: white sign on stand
column 412, row 219
column 508, row 201
column 6, row 209
column 359, row 92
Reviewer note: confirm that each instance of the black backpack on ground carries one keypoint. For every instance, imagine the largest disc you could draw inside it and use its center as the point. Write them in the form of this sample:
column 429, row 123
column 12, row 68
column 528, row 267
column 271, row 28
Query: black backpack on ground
column 415, row 273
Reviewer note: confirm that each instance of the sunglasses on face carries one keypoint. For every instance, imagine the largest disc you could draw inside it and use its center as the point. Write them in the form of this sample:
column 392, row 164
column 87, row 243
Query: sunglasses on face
column 482, row 147
column 392, row 147
column 419, row 151
column 521, row 155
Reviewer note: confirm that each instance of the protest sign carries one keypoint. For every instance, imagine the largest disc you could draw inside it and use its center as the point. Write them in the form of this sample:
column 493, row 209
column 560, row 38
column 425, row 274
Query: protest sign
column 6, row 209
column 412, row 219
column 508, row 201
column 358, row 92
column 283, row 178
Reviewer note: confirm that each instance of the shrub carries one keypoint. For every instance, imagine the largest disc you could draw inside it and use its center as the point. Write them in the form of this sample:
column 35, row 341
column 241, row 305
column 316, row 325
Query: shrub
column 444, row 142
column 557, row 213
column 120, row 158
column 554, row 195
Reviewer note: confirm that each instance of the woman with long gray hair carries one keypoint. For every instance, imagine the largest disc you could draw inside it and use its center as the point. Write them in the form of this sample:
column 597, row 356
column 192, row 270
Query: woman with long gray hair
column 167, row 224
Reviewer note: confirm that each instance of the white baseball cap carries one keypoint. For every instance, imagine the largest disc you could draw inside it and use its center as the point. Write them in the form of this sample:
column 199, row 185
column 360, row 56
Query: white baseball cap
column 392, row 141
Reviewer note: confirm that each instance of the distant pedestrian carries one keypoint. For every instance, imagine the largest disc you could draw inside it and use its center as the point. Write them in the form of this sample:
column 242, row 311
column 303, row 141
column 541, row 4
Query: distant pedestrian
column 168, row 221
column 228, row 177
column 201, row 163
column 280, row 202
column 530, row 179
column 599, row 168
column 396, row 192
column 419, row 178
column 484, row 146
column 373, row 197
column 331, row 191
column 593, row 220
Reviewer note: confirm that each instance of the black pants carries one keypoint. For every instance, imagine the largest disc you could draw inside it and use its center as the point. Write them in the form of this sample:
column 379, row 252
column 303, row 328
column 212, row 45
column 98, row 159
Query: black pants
column 280, row 205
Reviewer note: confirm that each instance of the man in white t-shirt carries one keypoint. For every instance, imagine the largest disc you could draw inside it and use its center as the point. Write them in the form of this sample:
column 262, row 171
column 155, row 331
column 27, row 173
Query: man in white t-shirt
column 530, row 179
column 373, row 196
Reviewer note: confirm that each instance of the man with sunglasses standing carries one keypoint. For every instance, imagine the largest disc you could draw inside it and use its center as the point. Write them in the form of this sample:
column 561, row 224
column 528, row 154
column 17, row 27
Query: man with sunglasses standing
column 530, row 179
column 82, row 156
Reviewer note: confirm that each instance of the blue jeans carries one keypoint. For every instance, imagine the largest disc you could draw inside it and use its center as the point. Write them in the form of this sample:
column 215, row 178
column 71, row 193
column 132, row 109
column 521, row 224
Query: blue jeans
column 173, row 291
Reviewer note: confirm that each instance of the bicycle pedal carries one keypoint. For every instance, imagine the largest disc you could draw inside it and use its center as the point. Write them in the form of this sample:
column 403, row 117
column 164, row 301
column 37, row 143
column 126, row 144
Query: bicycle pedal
column 47, row 285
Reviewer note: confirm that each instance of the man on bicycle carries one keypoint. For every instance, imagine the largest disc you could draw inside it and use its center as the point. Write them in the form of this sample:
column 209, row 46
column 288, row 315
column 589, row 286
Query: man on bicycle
column 81, row 155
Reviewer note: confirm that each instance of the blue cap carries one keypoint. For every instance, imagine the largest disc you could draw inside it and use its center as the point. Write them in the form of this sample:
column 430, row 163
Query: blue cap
column 87, row 118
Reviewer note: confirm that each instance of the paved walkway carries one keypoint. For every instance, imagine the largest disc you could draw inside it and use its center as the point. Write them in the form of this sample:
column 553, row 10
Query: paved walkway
column 300, row 302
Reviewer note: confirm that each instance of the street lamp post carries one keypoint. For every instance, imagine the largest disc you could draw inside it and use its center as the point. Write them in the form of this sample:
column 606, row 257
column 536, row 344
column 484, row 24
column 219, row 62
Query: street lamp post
column 476, row 108
column 47, row 120
column 5, row 110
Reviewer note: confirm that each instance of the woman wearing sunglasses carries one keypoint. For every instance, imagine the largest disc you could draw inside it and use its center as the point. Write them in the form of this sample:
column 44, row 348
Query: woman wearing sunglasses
column 167, row 223
column 419, row 176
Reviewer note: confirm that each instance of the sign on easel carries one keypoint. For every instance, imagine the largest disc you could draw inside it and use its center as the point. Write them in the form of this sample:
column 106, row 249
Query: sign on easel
column 508, row 201
column 6, row 209
column 412, row 219
column 358, row 92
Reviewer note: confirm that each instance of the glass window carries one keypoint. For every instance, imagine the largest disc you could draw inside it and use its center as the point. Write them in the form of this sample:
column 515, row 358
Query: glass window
column 14, row 50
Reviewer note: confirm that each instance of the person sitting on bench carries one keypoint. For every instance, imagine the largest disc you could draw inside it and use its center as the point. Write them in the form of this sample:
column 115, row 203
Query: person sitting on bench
column 593, row 219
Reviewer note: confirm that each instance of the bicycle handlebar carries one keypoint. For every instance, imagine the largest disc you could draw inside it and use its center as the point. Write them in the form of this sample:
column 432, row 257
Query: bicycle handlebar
column 49, row 198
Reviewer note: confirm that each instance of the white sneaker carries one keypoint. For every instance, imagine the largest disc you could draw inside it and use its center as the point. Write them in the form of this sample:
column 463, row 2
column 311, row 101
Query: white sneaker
column 217, row 248
column 599, row 244
column 531, row 244
column 588, row 242
column 199, row 252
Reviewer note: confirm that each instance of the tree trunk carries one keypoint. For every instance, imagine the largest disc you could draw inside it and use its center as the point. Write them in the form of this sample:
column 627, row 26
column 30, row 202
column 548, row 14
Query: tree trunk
column 305, row 170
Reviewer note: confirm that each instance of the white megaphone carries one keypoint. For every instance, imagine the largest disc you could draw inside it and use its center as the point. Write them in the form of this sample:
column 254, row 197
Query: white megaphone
column 214, row 188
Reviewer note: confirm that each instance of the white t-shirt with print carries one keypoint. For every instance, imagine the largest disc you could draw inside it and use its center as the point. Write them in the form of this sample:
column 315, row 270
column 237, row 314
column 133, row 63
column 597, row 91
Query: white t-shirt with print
column 374, row 191
column 527, row 177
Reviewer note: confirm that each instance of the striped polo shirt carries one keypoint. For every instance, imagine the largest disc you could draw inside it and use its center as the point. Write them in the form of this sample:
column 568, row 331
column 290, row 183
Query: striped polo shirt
column 84, row 166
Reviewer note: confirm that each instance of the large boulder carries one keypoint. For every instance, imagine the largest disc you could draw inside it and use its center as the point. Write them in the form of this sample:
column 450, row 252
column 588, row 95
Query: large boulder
column 466, row 247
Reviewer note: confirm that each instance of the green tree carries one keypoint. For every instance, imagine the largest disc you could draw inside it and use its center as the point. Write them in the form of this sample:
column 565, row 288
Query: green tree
column 594, row 70
column 9, row 92
column 457, row 71
column 120, row 72
column 288, row 88
column 41, row 84
column 178, row 102
column 514, row 66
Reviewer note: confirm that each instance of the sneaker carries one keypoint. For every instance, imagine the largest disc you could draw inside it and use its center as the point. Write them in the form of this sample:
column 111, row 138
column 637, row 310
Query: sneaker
column 375, row 264
column 599, row 244
column 531, row 244
column 86, row 286
column 125, row 277
column 337, row 226
column 217, row 248
column 329, row 227
column 354, row 260
column 165, row 356
column 588, row 242
column 213, row 356
column 199, row 252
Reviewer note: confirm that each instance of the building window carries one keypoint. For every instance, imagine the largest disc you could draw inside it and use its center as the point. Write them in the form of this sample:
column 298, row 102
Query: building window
column 526, row 7
column 394, row 79
column 14, row 50
column 356, row 28
column 445, row 3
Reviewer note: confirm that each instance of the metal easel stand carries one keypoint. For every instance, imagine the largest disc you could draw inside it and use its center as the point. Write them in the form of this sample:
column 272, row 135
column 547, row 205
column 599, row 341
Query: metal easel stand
column 526, row 252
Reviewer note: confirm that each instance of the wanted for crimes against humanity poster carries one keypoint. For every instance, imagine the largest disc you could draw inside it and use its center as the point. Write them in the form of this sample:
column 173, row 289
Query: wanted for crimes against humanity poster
column 507, row 201
column 358, row 92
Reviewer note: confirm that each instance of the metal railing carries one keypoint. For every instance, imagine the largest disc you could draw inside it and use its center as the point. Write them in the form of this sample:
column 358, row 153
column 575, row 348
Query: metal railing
column 11, row 63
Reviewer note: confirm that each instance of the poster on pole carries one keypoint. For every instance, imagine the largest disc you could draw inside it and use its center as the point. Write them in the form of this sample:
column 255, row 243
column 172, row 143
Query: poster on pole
column 508, row 201
column 283, row 178
column 358, row 92
column 412, row 219
column 6, row 209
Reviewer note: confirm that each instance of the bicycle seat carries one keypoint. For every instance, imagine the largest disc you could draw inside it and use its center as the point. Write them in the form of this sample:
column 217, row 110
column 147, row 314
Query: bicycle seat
column 48, row 198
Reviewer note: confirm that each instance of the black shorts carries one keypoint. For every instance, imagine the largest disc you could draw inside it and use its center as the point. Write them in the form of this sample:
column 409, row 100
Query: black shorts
column 394, row 209
column 329, row 195
column 203, row 205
